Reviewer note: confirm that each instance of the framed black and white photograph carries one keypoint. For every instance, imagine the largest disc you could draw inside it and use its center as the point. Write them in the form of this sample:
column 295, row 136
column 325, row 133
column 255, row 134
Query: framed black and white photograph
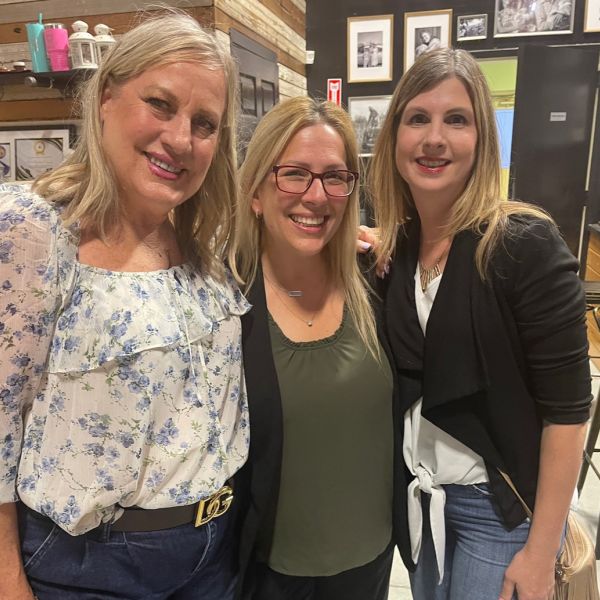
column 425, row 31
column 591, row 21
column 32, row 151
column 514, row 18
column 370, row 48
column 471, row 27
column 5, row 160
column 367, row 114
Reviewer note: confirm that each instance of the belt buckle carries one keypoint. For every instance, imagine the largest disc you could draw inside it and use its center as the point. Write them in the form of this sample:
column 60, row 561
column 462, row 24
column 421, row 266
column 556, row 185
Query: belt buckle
column 214, row 506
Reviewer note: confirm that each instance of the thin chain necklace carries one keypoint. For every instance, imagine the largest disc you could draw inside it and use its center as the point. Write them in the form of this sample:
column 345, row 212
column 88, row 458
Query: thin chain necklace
column 162, row 253
column 308, row 322
column 290, row 293
column 428, row 275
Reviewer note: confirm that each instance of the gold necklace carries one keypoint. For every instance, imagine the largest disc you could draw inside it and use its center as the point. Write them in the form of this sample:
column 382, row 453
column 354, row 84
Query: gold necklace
column 308, row 322
column 428, row 275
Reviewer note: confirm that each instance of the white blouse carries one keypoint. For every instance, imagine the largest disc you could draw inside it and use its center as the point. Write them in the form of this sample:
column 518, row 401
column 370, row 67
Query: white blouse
column 433, row 457
column 116, row 388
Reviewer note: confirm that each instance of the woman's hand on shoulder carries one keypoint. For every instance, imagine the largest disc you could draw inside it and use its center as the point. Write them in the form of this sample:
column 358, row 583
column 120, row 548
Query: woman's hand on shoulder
column 368, row 238
column 530, row 575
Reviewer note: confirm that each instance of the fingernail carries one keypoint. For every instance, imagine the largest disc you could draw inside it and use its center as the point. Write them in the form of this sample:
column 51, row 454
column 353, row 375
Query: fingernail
column 364, row 245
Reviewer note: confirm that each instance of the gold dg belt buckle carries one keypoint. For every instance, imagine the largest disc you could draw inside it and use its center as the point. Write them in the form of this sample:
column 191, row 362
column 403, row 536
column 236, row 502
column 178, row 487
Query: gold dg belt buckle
column 214, row 506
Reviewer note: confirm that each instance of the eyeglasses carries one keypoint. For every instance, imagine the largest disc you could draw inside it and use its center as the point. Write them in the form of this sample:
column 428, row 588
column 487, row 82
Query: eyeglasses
column 297, row 180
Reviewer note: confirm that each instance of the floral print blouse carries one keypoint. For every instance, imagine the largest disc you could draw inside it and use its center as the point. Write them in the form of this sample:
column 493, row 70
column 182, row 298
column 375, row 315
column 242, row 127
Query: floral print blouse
column 116, row 388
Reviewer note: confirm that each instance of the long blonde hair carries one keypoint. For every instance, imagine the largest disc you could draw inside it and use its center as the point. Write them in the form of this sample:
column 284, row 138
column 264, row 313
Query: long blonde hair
column 271, row 137
column 480, row 207
column 85, row 180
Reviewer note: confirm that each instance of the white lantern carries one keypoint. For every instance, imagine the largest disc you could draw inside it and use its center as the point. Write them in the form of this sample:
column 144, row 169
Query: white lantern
column 104, row 41
column 82, row 47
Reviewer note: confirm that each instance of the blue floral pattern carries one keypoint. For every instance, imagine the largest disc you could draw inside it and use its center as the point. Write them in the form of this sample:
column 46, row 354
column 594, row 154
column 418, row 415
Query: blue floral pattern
column 115, row 387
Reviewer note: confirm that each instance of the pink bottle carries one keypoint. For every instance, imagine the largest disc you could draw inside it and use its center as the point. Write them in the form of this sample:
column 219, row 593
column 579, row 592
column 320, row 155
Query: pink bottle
column 56, row 38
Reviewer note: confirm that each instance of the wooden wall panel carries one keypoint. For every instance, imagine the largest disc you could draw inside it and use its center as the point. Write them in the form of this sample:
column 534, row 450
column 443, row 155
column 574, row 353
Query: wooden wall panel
column 291, row 84
column 14, row 93
column 36, row 110
column 299, row 4
column 53, row 10
column 224, row 22
column 592, row 264
column 266, row 24
column 289, row 14
column 120, row 22
column 16, row 101
column 277, row 24
column 593, row 334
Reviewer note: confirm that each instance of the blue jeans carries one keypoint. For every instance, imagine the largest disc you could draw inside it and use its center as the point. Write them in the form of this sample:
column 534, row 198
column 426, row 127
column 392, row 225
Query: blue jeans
column 181, row 563
column 479, row 548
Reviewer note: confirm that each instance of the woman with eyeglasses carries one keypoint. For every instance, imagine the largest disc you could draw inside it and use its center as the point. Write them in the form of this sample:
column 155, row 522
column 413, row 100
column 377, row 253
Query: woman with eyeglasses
column 316, row 493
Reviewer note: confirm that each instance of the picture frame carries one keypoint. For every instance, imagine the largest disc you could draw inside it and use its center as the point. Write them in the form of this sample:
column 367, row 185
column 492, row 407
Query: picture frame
column 516, row 18
column 591, row 20
column 424, row 31
column 370, row 48
column 471, row 27
column 6, row 160
column 367, row 114
column 30, row 151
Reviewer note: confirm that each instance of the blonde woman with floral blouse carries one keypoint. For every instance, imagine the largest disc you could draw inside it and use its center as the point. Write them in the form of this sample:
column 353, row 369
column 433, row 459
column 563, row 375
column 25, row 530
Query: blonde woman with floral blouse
column 123, row 411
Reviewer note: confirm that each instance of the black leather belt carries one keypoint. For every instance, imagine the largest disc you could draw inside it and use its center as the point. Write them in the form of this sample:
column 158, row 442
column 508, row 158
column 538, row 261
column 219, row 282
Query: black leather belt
column 135, row 518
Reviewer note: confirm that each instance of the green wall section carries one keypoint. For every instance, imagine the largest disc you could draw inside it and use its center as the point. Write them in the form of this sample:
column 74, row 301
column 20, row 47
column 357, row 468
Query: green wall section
column 501, row 74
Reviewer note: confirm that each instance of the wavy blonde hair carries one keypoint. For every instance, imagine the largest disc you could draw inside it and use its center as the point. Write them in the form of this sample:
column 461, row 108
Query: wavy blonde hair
column 271, row 137
column 480, row 207
column 85, row 181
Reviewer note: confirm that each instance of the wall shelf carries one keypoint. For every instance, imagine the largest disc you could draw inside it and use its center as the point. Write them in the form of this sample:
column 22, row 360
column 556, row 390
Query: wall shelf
column 65, row 81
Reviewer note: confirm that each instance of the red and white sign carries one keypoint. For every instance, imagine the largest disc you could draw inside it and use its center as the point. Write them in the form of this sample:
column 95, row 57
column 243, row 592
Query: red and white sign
column 334, row 90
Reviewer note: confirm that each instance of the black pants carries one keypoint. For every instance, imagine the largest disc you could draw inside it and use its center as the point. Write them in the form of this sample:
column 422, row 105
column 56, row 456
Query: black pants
column 369, row 582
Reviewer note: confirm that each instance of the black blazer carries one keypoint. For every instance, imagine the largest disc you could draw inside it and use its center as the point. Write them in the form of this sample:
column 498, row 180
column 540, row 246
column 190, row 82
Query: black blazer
column 257, row 483
column 500, row 357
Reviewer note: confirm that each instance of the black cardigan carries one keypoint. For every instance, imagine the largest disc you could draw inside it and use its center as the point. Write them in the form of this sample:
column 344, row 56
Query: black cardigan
column 257, row 483
column 500, row 357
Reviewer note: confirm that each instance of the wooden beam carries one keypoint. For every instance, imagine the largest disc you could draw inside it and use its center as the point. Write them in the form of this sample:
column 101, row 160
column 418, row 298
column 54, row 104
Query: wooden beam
column 14, row 1
column 35, row 110
column 53, row 10
column 120, row 22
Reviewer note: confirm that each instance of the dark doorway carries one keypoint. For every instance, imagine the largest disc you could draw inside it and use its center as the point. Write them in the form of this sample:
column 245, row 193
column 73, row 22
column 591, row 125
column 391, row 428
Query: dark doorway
column 259, row 83
column 554, row 106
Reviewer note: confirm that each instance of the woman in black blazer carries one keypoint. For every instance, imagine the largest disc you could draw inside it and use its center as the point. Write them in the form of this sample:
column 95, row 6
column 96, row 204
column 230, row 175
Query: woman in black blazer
column 485, row 316
column 316, row 493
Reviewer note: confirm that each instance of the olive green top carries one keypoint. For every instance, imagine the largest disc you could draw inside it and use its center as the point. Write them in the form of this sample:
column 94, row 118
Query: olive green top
column 335, row 502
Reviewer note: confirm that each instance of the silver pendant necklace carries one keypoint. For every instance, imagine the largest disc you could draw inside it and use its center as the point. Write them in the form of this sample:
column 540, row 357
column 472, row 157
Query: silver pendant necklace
column 290, row 293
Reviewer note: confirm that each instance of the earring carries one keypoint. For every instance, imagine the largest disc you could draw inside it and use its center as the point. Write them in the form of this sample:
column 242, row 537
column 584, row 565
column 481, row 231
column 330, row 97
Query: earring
column 258, row 215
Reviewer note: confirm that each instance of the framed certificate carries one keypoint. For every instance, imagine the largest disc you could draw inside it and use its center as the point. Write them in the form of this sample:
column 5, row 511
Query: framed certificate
column 26, row 153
